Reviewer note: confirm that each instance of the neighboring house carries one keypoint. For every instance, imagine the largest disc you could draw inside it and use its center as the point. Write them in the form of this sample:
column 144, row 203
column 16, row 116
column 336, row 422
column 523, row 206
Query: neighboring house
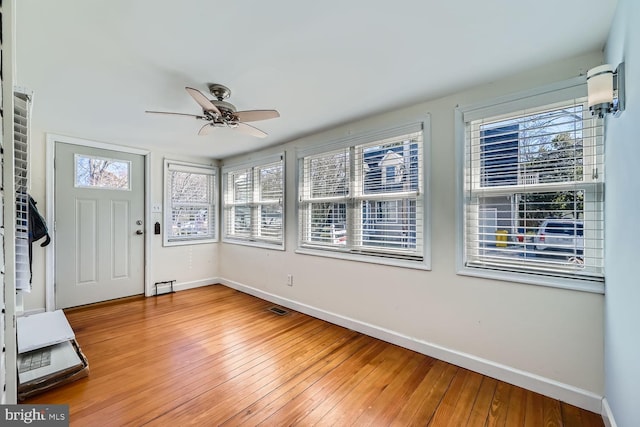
column 499, row 161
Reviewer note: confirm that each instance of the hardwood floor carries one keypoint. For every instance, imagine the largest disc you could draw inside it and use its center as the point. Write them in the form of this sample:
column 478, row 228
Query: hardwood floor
column 215, row 356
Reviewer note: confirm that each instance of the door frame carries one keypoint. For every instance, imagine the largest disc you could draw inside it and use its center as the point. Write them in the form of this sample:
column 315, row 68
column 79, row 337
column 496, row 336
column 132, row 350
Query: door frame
column 50, row 273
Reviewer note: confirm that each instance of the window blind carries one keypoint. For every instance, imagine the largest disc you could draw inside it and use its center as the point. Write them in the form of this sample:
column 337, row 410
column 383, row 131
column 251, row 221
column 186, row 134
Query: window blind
column 254, row 203
column 534, row 191
column 21, row 117
column 365, row 198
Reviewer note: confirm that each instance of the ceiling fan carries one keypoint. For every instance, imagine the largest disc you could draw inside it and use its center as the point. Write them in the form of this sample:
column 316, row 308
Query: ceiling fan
column 219, row 113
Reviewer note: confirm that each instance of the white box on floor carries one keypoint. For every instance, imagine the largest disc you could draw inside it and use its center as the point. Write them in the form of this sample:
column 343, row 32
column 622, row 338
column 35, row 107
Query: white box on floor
column 42, row 330
column 48, row 354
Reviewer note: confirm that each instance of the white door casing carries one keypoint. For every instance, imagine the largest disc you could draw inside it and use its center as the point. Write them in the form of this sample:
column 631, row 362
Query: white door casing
column 99, row 250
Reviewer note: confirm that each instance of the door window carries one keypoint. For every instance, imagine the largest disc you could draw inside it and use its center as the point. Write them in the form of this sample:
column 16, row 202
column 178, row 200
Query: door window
column 97, row 172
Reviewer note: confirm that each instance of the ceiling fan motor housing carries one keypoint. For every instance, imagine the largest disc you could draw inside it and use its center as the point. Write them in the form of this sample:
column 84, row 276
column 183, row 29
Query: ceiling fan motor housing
column 227, row 109
column 219, row 91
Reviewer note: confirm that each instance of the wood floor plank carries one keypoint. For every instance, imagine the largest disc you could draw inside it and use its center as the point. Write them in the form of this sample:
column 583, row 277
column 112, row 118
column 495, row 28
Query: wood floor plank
column 291, row 408
column 590, row 419
column 230, row 397
column 216, row 356
column 499, row 405
column 385, row 408
column 333, row 405
column 446, row 408
column 173, row 371
column 535, row 410
column 552, row 412
column 571, row 416
column 482, row 404
column 360, row 397
column 427, row 396
column 270, row 407
column 217, row 371
column 517, row 407
column 456, row 406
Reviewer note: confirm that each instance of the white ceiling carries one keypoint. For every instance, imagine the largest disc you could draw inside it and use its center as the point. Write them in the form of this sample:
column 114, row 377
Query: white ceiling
column 95, row 66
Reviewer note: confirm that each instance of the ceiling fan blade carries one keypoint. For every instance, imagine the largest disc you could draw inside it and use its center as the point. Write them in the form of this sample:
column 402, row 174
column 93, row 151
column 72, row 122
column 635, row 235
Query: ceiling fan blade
column 176, row 114
column 206, row 129
column 203, row 101
column 255, row 115
column 250, row 130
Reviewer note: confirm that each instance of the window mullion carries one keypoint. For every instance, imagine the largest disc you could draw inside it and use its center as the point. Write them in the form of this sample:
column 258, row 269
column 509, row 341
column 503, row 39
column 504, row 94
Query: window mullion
column 304, row 231
column 254, row 192
column 354, row 231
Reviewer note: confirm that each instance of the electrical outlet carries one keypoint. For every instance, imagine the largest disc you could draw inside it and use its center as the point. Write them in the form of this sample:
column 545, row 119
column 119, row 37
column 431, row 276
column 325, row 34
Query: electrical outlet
column 289, row 279
column 156, row 208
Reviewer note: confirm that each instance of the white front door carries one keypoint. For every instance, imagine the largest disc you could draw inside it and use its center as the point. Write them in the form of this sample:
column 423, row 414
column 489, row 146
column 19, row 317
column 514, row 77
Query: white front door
column 99, row 214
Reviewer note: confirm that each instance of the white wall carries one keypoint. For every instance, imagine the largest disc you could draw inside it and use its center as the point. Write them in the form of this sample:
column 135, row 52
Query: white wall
column 553, row 333
column 622, row 304
column 189, row 265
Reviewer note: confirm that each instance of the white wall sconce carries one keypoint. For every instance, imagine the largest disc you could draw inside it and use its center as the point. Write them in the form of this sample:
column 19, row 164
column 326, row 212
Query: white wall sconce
column 605, row 88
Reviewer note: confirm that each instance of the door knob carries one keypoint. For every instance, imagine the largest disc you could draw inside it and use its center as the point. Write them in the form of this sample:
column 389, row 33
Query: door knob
column 138, row 232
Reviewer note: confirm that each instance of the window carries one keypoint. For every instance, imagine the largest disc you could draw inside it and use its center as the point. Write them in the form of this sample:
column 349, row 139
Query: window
column 365, row 199
column 190, row 203
column 533, row 190
column 254, row 203
column 96, row 172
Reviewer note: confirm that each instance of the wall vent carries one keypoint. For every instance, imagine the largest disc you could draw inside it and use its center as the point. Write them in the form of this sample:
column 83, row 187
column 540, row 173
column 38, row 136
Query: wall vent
column 278, row 310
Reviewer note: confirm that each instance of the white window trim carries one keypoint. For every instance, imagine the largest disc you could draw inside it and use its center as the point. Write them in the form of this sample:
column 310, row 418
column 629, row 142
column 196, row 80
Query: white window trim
column 362, row 138
column 196, row 168
column 556, row 92
column 265, row 244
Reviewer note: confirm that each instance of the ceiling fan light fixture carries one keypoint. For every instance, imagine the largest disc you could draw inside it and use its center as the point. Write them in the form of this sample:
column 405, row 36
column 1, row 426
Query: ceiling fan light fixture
column 219, row 113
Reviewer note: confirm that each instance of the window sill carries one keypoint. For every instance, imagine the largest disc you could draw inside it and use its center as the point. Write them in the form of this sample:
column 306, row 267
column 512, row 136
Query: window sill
column 255, row 244
column 418, row 265
column 582, row 285
column 188, row 242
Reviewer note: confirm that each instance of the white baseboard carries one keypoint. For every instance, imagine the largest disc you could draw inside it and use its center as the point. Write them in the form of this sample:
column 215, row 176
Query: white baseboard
column 546, row 386
column 607, row 415
column 164, row 288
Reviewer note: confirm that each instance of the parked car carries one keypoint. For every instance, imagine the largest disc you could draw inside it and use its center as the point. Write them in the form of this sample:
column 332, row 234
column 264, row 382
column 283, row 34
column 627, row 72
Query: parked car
column 561, row 237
